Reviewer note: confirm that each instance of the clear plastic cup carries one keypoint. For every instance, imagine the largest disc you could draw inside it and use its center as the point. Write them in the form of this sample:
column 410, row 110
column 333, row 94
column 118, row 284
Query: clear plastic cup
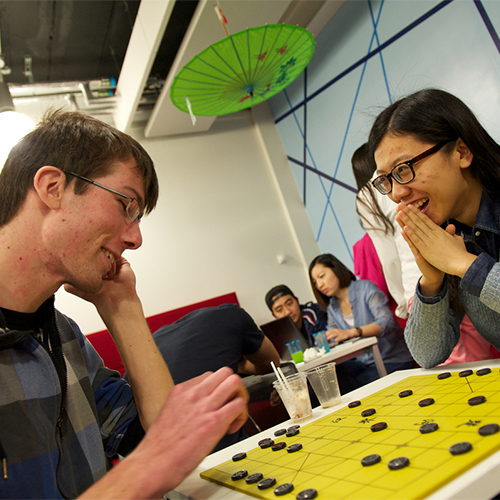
column 296, row 351
column 323, row 379
column 321, row 340
column 295, row 396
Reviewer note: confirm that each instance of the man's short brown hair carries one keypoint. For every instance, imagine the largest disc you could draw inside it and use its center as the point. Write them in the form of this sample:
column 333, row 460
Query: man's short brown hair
column 70, row 141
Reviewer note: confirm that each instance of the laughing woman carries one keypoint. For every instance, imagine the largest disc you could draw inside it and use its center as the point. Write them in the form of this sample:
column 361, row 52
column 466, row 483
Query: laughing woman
column 358, row 309
column 442, row 168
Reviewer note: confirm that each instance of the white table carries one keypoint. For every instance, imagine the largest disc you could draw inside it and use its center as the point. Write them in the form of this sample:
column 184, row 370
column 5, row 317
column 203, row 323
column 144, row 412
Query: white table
column 479, row 482
column 348, row 350
column 260, row 384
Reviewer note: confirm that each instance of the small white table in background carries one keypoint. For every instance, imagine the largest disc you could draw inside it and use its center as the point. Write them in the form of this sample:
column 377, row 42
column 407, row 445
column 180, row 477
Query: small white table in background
column 348, row 350
column 259, row 384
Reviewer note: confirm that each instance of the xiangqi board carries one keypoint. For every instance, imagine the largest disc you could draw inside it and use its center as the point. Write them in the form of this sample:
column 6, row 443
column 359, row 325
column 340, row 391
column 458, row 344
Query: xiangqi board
column 431, row 436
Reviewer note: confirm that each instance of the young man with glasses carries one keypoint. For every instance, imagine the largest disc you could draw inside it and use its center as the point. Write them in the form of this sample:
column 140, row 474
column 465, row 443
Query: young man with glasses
column 73, row 191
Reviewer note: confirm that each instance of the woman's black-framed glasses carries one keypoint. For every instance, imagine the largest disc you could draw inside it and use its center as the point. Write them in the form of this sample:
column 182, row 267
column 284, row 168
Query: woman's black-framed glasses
column 133, row 208
column 403, row 173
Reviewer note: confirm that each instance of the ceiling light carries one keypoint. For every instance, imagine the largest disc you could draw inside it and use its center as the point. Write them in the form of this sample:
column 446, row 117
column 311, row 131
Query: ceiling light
column 13, row 126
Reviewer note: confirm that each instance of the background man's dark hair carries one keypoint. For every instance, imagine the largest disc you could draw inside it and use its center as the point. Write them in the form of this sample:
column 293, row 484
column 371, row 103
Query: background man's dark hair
column 277, row 290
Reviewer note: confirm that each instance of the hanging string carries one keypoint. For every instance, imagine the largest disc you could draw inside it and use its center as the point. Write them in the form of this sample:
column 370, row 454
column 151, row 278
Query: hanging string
column 190, row 109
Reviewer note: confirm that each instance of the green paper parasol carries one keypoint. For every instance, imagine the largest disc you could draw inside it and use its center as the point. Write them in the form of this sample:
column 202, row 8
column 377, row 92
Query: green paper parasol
column 242, row 70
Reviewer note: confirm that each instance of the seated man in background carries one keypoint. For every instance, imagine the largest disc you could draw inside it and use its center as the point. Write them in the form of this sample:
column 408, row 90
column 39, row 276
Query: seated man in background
column 210, row 338
column 309, row 318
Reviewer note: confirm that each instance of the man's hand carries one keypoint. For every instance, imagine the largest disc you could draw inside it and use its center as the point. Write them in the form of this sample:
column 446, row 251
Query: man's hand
column 194, row 418
column 121, row 310
column 274, row 398
column 115, row 290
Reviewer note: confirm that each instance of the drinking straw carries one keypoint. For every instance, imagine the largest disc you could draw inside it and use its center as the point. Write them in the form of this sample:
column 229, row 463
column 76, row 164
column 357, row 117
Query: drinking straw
column 278, row 376
column 281, row 377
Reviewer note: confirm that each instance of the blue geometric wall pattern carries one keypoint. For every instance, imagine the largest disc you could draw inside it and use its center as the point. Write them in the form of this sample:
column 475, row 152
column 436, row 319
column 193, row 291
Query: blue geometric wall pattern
column 368, row 55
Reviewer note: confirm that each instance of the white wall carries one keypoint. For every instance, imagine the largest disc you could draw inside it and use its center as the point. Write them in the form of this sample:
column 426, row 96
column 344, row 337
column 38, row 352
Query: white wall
column 220, row 222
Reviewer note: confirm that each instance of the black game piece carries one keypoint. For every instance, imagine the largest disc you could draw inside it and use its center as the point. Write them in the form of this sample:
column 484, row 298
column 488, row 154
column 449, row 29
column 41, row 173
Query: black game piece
column 293, row 427
column 465, row 373
column 398, row 463
column 459, row 448
column 283, row 489
column 266, row 483
column 444, row 375
column 369, row 412
column 266, row 443
column 353, row 404
column 489, row 429
column 239, row 475
column 379, row 426
column 307, row 494
column 477, row 400
column 280, row 432
column 428, row 428
column 292, row 432
column 239, row 456
column 278, row 446
column 294, row 447
column 254, row 478
column 483, row 371
column 405, row 394
column 426, row 402
column 371, row 460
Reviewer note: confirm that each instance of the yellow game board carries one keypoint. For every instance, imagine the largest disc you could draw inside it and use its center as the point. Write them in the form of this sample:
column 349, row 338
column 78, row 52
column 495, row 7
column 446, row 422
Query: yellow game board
column 330, row 460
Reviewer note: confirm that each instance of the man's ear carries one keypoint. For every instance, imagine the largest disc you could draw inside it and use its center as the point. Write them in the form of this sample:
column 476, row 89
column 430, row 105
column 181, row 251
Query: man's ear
column 49, row 183
column 465, row 154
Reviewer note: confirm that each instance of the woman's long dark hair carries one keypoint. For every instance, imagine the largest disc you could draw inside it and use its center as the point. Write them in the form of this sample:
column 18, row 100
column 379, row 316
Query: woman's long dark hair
column 344, row 275
column 363, row 167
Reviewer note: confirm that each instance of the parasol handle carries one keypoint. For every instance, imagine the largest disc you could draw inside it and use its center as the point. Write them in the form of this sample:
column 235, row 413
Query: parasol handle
column 221, row 16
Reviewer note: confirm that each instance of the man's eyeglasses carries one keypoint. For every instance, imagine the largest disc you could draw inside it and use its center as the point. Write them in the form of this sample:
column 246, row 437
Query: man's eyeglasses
column 133, row 208
column 403, row 173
